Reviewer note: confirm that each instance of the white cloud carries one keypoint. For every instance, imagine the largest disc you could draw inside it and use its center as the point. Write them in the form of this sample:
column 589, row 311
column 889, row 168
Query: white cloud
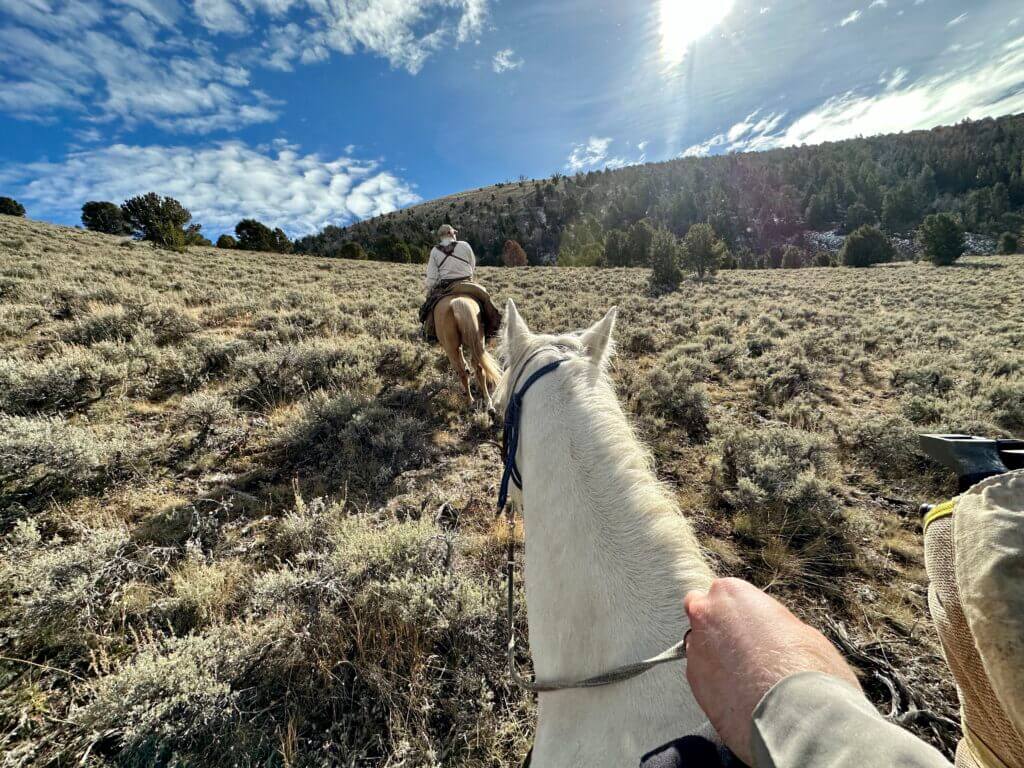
column 958, row 20
column 119, row 65
column 220, row 184
column 977, row 91
column 404, row 32
column 139, row 29
column 765, row 9
column 850, row 19
column 589, row 155
column 593, row 154
column 879, row 4
column 505, row 60
column 220, row 16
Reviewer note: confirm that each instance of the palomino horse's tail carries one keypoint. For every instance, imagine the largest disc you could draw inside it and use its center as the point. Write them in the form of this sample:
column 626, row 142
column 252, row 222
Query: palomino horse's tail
column 491, row 369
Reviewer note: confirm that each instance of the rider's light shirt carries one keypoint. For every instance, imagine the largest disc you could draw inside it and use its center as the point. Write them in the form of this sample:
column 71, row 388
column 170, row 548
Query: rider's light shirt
column 441, row 267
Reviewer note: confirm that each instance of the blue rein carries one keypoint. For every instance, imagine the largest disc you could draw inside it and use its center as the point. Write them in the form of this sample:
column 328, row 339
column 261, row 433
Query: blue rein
column 510, row 438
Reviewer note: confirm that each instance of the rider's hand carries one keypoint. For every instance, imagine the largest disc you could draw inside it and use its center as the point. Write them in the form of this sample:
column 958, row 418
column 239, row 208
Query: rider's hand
column 742, row 643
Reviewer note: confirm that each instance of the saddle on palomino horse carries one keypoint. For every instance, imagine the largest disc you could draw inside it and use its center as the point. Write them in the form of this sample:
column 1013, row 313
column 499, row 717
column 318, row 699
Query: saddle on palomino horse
column 490, row 315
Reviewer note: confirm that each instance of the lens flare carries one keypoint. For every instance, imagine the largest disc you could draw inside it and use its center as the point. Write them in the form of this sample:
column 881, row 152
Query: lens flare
column 683, row 22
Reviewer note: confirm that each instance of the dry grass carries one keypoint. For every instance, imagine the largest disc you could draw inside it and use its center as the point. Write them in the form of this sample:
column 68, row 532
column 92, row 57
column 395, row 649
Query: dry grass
column 220, row 477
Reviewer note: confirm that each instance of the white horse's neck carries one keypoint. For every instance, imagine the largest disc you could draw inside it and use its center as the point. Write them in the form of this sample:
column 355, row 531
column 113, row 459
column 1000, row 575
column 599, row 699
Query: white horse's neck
column 608, row 561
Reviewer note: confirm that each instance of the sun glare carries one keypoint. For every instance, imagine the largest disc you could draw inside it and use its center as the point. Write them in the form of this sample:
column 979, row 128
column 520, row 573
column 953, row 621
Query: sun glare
column 683, row 22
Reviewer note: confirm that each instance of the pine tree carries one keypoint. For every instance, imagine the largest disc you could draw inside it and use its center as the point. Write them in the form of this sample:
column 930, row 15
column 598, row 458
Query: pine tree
column 942, row 239
column 702, row 250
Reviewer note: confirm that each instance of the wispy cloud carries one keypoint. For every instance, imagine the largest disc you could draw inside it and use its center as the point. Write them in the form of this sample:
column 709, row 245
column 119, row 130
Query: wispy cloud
column 879, row 4
column 976, row 91
column 958, row 20
column 505, row 60
column 134, row 70
column 220, row 183
column 850, row 19
column 404, row 32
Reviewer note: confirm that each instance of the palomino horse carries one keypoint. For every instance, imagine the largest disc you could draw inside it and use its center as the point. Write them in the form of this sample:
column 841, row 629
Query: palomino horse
column 608, row 557
column 457, row 325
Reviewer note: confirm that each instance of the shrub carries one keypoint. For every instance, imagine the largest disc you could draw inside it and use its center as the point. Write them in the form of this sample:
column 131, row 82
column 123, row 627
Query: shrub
column 103, row 216
column 866, row 246
column 513, row 255
column 665, row 271
column 348, row 442
column 350, row 249
column 41, row 458
column 287, row 372
column 794, row 257
column 774, row 482
column 64, row 594
column 195, row 236
column 702, row 250
column 942, row 239
column 372, row 617
column 1008, row 243
column 71, row 379
column 160, row 220
column 891, row 447
column 256, row 236
column 669, row 395
column 11, row 207
column 226, row 242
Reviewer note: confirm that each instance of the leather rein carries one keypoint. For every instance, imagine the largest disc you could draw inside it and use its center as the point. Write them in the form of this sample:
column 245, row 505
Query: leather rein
column 510, row 473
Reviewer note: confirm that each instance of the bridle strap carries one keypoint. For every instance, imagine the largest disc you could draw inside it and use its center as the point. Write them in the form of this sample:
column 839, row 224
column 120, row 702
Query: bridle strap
column 510, row 445
column 510, row 435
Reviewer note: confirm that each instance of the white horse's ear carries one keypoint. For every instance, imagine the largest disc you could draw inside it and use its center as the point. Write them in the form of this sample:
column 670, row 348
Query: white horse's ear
column 515, row 327
column 597, row 339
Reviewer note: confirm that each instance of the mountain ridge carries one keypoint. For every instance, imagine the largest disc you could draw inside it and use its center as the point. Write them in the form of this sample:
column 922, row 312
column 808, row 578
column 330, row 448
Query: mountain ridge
column 758, row 202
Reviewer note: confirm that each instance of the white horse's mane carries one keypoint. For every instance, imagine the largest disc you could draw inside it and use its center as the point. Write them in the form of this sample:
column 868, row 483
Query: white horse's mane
column 609, row 556
column 630, row 470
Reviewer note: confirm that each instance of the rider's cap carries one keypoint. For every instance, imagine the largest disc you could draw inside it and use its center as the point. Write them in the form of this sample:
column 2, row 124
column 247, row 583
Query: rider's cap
column 447, row 230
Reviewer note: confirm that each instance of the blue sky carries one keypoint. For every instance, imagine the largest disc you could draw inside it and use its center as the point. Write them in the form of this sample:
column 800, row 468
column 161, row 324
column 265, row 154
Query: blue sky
column 309, row 112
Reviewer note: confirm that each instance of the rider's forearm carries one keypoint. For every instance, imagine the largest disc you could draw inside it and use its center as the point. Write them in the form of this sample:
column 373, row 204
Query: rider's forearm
column 814, row 719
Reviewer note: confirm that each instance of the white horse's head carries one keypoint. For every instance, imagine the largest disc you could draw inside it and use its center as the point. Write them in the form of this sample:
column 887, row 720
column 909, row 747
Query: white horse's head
column 517, row 342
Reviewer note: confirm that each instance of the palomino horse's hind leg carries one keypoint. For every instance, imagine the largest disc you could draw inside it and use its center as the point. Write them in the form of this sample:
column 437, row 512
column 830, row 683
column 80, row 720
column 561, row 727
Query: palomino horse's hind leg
column 458, row 362
column 481, row 382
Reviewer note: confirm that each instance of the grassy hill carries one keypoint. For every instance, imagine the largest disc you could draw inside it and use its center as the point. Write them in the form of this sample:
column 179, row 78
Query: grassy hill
column 757, row 202
column 246, row 521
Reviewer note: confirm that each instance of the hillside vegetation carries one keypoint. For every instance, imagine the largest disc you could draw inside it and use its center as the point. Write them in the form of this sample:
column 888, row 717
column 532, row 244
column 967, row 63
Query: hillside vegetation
column 757, row 202
column 246, row 521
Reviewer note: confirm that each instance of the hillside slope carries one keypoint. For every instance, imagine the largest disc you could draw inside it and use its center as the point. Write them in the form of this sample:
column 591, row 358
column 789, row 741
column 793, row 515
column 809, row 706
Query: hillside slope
column 757, row 201
column 245, row 519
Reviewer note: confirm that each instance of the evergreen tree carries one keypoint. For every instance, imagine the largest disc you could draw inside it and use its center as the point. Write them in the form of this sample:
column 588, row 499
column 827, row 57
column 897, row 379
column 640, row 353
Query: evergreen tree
column 256, row 236
column 103, row 216
column 702, row 250
column 900, row 209
column 859, row 215
column 639, row 240
column 158, row 219
column 227, row 242
column 665, row 261
column 616, row 249
column 942, row 239
column 350, row 249
column 866, row 246
column 1008, row 243
column 11, row 207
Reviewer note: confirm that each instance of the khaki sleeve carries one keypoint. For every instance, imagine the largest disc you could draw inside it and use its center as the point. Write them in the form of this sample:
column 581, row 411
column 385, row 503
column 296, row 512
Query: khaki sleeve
column 813, row 720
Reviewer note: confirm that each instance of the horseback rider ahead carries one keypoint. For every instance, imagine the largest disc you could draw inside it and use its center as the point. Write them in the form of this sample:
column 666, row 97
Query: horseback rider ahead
column 450, row 270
